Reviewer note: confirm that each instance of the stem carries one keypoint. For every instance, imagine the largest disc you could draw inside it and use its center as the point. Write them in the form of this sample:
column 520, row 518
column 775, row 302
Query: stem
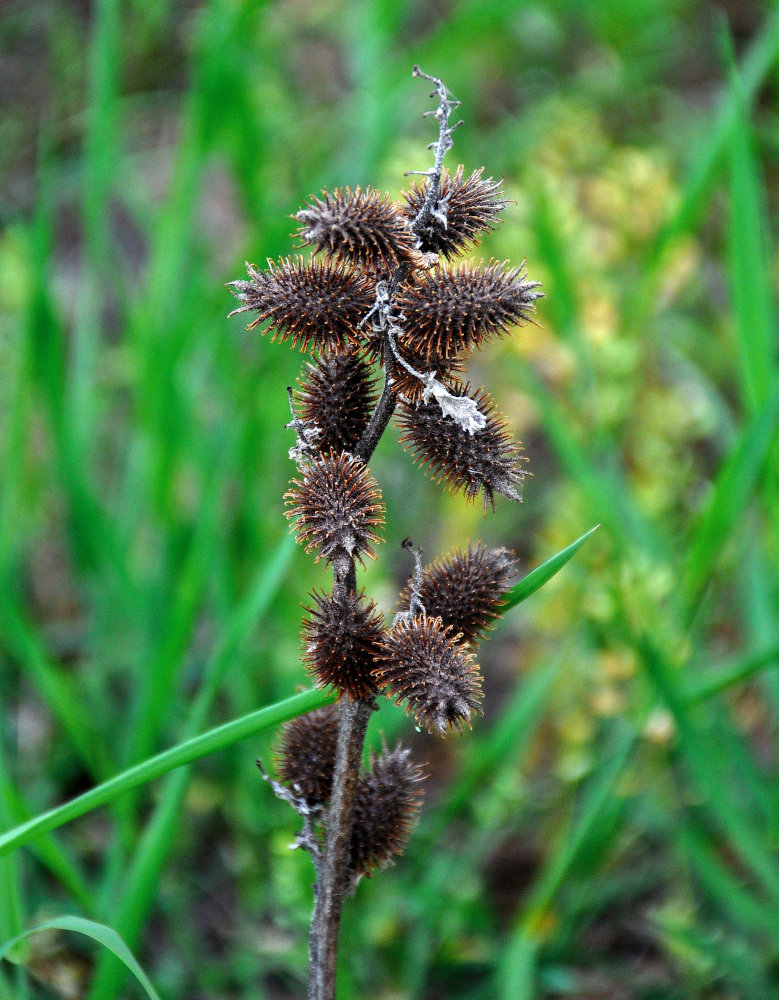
column 380, row 418
column 335, row 878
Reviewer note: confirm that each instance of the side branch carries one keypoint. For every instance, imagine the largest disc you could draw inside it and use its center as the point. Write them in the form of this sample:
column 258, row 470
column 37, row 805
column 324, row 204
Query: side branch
column 444, row 143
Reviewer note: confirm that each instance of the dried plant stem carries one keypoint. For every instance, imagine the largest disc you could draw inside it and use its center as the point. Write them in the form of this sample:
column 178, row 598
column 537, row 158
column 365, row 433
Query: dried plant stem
column 335, row 878
column 445, row 107
column 380, row 418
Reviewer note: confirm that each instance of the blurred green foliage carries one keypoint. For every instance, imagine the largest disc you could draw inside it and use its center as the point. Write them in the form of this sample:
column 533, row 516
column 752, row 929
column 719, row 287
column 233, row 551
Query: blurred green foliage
column 611, row 826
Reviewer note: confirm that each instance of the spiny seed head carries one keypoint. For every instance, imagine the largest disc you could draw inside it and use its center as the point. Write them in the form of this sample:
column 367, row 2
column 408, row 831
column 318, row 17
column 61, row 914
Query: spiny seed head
column 426, row 668
column 305, row 755
column 386, row 806
column 464, row 209
column 336, row 506
column 364, row 228
column 341, row 637
column 465, row 589
column 337, row 397
column 312, row 303
column 449, row 312
column 488, row 459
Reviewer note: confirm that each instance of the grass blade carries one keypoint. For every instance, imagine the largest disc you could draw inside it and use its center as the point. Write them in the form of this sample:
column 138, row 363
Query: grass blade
column 736, row 672
column 543, row 573
column 705, row 768
column 184, row 753
column 510, row 737
column 139, row 885
column 48, row 851
column 721, row 884
column 756, row 66
column 750, row 262
column 56, row 688
column 522, row 945
column 734, row 487
column 103, row 935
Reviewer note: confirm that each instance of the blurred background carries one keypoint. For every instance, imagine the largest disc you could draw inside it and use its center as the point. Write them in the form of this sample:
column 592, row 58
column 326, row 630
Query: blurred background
column 610, row 827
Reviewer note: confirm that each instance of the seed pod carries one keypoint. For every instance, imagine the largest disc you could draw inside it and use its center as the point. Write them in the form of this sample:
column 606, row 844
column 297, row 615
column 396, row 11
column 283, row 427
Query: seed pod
column 337, row 397
column 488, row 459
column 465, row 589
column 311, row 303
column 362, row 227
column 449, row 312
column 427, row 669
column 336, row 507
column 386, row 806
column 341, row 637
column 305, row 756
column 464, row 209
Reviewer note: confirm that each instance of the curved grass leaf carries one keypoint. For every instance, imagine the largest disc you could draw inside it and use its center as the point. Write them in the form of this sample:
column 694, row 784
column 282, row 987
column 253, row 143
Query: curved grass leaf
column 100, row 933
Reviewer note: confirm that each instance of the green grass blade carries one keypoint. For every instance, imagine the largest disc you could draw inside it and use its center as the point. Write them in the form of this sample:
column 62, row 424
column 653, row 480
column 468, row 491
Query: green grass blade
column 562, row 299
column 706, row 771
column 543, row 573
column 105, row 936
column 722, row 885
column 56, row 688
column 158, row 683
column 561, row 862
column 752, row 291
column 724, row 957
column 516, row 975
column 758, row 63
column 739, row 670
column 526, row 937
column 705, row 168
column 750, row 264
column 597, row 473
column 184, row 753
column 757, row 582
column 562, row 303
column 48, row 851
column 13, row 439
column 91, row 534
column 11, row 904
column 100, row 157
column 246, row 617
column 506, row 743
column 733, row 490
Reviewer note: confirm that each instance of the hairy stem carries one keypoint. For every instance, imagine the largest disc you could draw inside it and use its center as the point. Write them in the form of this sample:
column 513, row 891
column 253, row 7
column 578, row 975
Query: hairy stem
column 334, row 876
column 335, row 879
column 380, row 418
